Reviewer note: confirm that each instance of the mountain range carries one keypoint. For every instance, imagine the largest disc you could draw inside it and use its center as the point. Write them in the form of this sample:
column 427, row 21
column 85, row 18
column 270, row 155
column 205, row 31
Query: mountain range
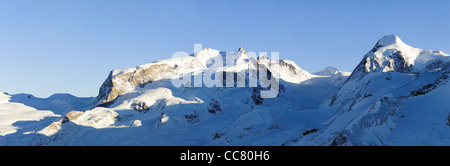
column 396, row 95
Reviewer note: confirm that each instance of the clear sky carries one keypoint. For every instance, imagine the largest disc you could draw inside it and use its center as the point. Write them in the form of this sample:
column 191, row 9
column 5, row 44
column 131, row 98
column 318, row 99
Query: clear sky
column 70, row 46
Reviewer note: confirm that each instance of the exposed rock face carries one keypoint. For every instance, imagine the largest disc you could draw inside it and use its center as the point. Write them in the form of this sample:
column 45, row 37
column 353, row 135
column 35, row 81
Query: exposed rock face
column 98, row 117
column 291, row 68
column 52, row 129
column 140, row 106
column 143, row 76
column 72, row 116
column 448, row 119
column 397, row 61
column 104, row 94
column 119, row 84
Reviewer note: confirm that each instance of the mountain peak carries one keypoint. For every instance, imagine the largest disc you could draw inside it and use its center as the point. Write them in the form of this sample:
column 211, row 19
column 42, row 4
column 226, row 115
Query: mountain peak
column 389, row 54
column 392, row 54
column 327, row 71
column 61, row 95
column 241, row 49
column 389, row 40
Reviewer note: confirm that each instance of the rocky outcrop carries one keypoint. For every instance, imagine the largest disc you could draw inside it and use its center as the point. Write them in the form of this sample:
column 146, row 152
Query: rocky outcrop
column 397, row 61
column 119, row 84
column 448, row 119
column 72, row 116
column 388, row 54
column 291, row 68
column 139, row 106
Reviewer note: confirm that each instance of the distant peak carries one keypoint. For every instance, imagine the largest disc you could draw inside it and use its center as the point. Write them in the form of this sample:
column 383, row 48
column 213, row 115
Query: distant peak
column 327, row 71
column 206, row 52
column 263, row 58
column 241, row 49
column 62, row 95
column 330, row 68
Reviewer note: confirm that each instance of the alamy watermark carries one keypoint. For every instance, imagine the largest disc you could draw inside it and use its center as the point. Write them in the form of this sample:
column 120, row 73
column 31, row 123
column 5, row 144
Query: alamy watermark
column 232, row 69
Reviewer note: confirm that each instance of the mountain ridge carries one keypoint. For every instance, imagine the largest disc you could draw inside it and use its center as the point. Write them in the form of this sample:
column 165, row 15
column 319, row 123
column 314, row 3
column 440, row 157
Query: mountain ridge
column 121, row 81
column 395, row 96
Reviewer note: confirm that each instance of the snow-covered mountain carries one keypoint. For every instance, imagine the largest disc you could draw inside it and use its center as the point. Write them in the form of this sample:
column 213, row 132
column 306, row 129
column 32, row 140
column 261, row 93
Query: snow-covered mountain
column 122, row 81
column 391, row 54
column 395, row 96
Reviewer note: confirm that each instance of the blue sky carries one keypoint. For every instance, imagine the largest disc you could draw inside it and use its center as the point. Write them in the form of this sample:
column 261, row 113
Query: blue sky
column 54, row 46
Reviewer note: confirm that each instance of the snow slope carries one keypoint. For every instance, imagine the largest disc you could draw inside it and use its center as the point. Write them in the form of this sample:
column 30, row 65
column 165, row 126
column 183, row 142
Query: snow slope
column 4, row 98
column 57, row 103
column 11, row 112
column 196, row 116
